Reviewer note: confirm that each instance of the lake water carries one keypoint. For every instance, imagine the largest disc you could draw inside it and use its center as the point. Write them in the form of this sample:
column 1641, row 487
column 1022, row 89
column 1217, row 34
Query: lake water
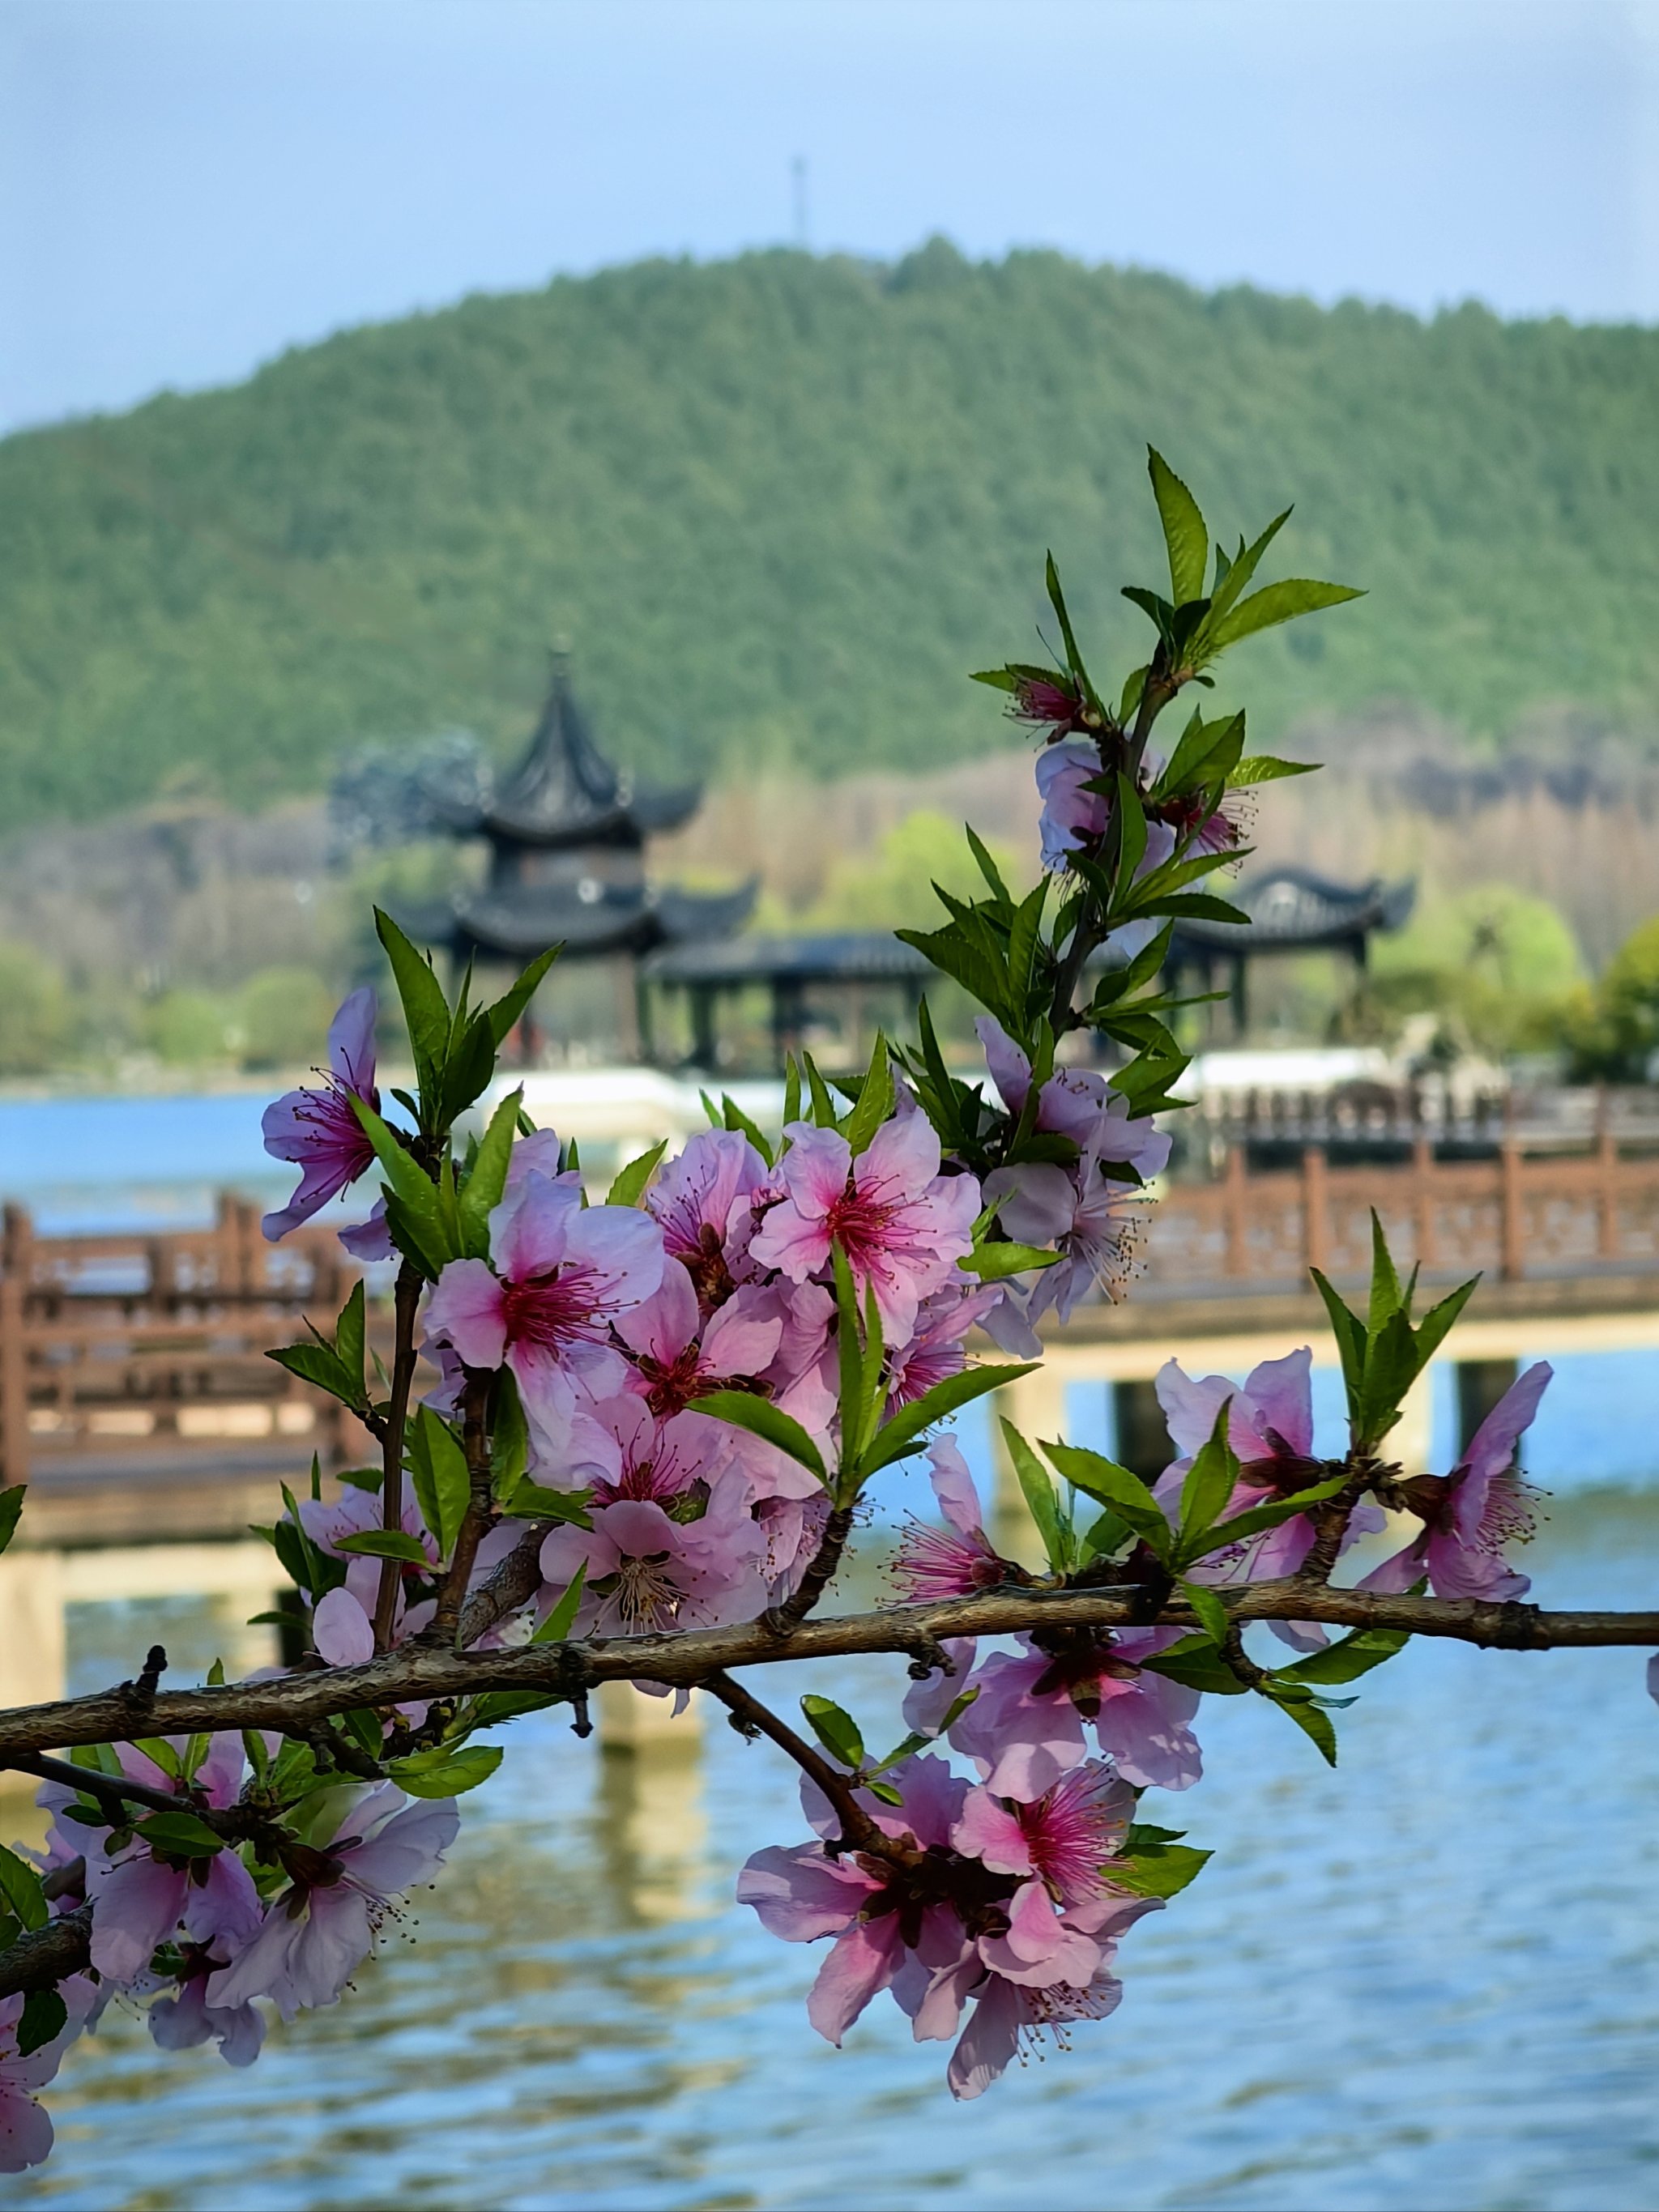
column 1429, row 1979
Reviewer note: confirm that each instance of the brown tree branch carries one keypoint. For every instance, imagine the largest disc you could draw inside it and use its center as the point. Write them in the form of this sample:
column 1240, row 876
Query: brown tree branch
column 780, row 1619
column 406, row 1301
column 296, row 1702
column 858, row 1833
column 40, row 1961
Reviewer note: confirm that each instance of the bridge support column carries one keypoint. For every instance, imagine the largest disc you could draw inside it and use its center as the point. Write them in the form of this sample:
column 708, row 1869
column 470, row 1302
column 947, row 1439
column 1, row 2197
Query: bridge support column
column 1411, row 1437
column 1143, row 1437
column 33, row 1640
column 1035, row 1404
column 629, row 1720
column 1481, row 1384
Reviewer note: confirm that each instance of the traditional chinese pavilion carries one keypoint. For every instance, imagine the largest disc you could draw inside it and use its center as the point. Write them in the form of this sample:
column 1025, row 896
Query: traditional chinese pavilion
column 566, row 832
column 1290, row 910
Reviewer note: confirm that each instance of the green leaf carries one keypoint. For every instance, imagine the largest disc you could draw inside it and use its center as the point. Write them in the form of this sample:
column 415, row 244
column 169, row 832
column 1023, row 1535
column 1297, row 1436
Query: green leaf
column 1270, row 1514
column 1106, row 1532
column 1131, row 837
column 384, row 1544
column 994, row 1263
column 445, row 1773
column 1157, row 1869
column 734, row 1117
column 161, row 1752
column 1350, row 1657
column 1196, row 1662
column 1350, row 1334
column 1000, row 679
column 412, row 1189
column 1207, row 750
column 486, row 1180
column 762, row 1418
column 1390, row 1371
column 1435, row 1326
column 467, row 1072
column 1313, row 1724
column 11, row 1506
column 875, row 1099
column 532, row 1501
column 1115, row 1486
column 426, row 1012
column 1210, row 1482
column 1213, row 1617
column 903, row 1434
column 1262, row 768
column 442, row 1481
column 503, row 1016
column 319, row 1365
column 1231, row 581
column 1386, row 1300
column 1057, row 600
column 44, row 2017
column 509, row 1437
column 557, row 1626
column 350, row 1338
column 824, row 1116
column 629, row 1186
column 180, row 1835
column 1151, row 604
column 1279, row 602
column 1037, row 1486
column 1184, row 534
column 20, row 1892
column 835, row 1730
column 886, row 1792
column 987, row 867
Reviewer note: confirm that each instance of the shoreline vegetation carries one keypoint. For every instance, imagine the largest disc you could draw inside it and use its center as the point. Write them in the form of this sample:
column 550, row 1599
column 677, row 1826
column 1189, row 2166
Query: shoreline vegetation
column 732, row 487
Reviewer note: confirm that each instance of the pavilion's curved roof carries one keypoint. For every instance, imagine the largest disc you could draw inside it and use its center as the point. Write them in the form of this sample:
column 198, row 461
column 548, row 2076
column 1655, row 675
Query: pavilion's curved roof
column 1291, row 909
column 614, row 919
column 565, row 792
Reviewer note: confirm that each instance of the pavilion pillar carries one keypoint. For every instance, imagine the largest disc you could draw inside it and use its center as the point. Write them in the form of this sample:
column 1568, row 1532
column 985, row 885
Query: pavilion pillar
column 625, row 974
column 704, row 1044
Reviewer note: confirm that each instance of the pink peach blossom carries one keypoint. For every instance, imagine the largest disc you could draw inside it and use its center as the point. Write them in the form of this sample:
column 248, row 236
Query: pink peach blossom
column 561, row 1275
column 317, row 1130
column 316, row 1933
column 1470, row 1515
column 901, row 1224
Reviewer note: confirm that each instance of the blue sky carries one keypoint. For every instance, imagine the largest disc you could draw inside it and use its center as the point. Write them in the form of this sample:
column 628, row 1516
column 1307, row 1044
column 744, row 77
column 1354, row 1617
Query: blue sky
column 188, row 186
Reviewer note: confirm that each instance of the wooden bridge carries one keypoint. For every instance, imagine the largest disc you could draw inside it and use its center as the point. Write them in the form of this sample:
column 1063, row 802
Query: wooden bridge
column 137, row 1402
column 135, row 1398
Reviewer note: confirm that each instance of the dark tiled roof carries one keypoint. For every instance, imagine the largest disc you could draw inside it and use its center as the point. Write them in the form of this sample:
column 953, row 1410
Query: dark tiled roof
column 1293, row 909
column 564, row 792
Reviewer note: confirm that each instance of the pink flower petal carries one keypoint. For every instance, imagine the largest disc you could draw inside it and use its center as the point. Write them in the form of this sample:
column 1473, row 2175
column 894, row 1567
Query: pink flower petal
column 861, row 1962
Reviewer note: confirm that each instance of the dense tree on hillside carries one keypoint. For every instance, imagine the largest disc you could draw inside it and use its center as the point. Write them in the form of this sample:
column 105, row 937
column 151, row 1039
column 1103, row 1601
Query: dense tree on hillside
column 737, row 488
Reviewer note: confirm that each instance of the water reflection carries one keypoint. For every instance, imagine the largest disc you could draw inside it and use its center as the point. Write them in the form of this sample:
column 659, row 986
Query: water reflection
column 1428, row 1979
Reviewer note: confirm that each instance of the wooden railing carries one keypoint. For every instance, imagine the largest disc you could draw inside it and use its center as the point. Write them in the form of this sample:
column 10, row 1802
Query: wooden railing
column 1513, row 1216
column 130, row 1346
column 140, row 1349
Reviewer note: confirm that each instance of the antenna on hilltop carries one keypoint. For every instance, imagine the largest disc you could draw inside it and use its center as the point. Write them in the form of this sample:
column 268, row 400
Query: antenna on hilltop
column 797, row 179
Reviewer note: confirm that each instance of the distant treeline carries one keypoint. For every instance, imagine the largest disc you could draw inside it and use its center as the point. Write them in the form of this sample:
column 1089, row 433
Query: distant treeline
column 779, row 506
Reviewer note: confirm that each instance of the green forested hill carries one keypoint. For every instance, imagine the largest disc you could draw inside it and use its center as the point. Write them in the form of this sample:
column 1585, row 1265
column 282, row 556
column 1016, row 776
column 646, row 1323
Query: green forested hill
column 779, row 506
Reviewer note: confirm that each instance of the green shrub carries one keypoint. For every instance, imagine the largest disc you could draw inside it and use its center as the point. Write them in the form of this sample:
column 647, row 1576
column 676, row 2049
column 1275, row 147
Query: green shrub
column 34, row 1012
column 284, row 1018
column 186, row 1028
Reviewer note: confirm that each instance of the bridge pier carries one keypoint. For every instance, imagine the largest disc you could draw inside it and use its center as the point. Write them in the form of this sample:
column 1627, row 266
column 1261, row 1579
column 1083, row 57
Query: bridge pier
column 1481, row 1384
column 38, row 1586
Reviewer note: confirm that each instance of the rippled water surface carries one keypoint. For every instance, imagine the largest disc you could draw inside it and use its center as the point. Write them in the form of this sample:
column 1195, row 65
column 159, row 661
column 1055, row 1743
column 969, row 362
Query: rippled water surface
column 1431, row 1979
